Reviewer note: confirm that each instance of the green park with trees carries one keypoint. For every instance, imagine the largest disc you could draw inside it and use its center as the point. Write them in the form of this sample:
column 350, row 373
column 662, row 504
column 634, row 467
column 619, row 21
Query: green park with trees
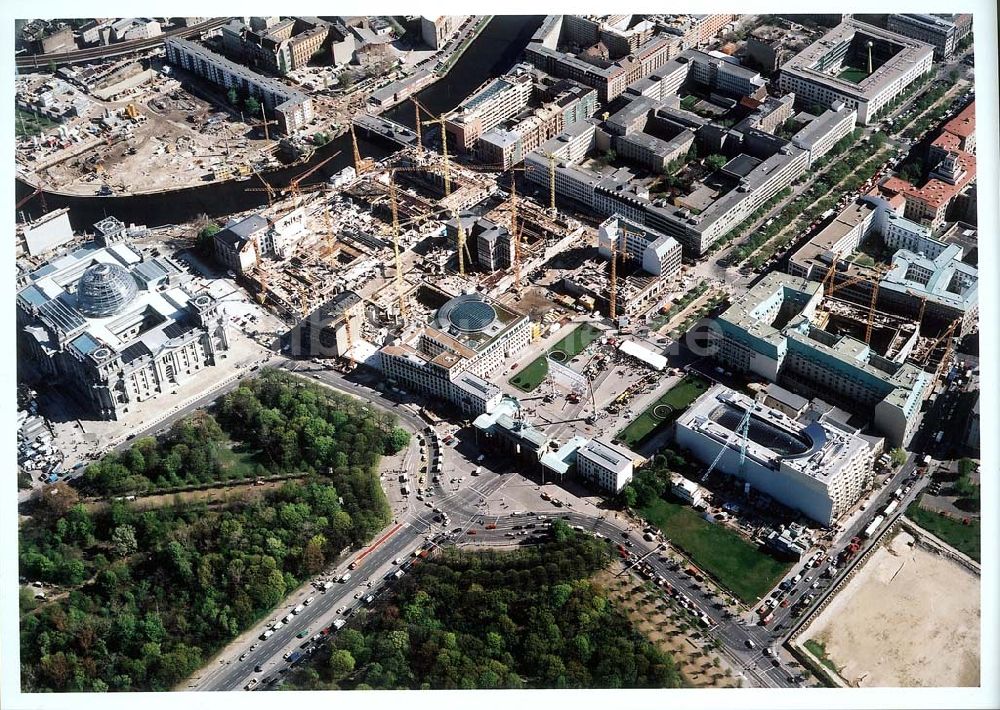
column 529, row 618
column 144, row 597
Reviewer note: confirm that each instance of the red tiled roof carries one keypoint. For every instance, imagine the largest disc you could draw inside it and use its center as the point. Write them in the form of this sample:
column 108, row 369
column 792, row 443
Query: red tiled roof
column 964, row 124
column 948, row 141
column 935, row 193
column 895, row 185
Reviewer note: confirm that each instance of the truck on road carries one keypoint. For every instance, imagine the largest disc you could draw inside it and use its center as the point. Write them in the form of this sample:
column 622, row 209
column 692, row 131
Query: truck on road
column 873, row 526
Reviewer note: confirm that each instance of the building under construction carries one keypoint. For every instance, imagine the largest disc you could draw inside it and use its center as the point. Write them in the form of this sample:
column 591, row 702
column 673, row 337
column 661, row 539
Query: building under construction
column 330, row 330
column 816, row 465
column 775, row 331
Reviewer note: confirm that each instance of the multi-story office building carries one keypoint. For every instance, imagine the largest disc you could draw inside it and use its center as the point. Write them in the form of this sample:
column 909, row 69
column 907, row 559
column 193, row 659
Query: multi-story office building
column 942, row 31
column 929, row 203
column 819, row 468
column 769, row 113
column 822, row 133
column 436, row 29
column 492, row 104
column 279, row 47
column 607, row 466
column 770, row 332
column 776, row 163
column 242, row 242
column 958, row 134
column 943, row 287
column 114, row 326
column 840, row 237
column 659, row 254
column 611, row 80
column 927, row 280
column 291, row 108
column 722, row 73
column 858, row 64
column 564, row 104
column 705, row 27
column 664, row 82
column 468, row 340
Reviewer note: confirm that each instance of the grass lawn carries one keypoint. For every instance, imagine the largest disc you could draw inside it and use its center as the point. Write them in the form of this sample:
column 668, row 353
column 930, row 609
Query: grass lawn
column 737, row 564
column 853, row 75
column 964, row 538
column 678, row 399
column 817, row 649
column 236, row 464
column 575, row 343
column 531, row 376
column 688, row 101
column 572, row 345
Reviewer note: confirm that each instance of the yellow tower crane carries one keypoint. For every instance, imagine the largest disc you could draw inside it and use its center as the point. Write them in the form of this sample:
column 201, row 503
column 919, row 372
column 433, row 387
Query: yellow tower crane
column 416, row 123
column 948, row 336
column 262, row 274
column 271, row 192
column 461, row 243
column 552, row 180
column 330, row 241
column 361, row 165
column 871, row 308
column 439, row 121
column 515, row 232
column 829, row 279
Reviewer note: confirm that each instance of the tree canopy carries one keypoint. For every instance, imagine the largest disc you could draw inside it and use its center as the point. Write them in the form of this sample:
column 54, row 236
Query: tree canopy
column 153, row 593
column 525, row 619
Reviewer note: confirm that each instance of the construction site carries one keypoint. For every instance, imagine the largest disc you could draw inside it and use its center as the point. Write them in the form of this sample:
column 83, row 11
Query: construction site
column 165, row 139
column 852, row 308
column 396, row 226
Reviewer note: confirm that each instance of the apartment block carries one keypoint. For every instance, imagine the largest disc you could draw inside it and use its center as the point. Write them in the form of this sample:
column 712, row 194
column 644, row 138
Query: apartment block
column 291, row 108
column 942, row 31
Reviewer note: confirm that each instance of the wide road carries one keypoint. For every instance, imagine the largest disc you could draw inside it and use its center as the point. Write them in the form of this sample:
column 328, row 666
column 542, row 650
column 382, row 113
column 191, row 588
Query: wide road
column 420, row 525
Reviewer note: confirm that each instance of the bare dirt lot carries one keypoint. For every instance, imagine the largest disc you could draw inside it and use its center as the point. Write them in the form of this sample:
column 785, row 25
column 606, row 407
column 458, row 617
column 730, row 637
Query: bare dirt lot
column 910, row 618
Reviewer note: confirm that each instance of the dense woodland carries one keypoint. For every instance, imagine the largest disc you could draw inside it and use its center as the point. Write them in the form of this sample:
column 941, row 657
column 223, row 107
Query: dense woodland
column 282, row 424
column 489, row 619
column 148, row 595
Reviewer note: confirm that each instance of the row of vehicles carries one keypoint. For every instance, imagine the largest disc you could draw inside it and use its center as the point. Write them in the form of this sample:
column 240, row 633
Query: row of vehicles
column 310, row 645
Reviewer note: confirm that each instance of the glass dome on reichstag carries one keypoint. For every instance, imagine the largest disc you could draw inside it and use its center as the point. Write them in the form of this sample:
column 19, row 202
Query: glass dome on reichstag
column 104, row 290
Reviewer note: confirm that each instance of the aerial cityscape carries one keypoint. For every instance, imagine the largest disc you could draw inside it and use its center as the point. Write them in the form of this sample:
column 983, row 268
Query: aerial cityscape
column 497, row 352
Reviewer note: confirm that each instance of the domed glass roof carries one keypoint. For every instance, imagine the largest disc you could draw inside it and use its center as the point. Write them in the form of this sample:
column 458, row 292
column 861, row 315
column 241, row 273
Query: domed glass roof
column 104, row 290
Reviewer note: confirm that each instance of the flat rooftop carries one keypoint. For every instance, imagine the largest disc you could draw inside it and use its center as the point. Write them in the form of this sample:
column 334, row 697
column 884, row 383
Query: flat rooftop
column 812, row 61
